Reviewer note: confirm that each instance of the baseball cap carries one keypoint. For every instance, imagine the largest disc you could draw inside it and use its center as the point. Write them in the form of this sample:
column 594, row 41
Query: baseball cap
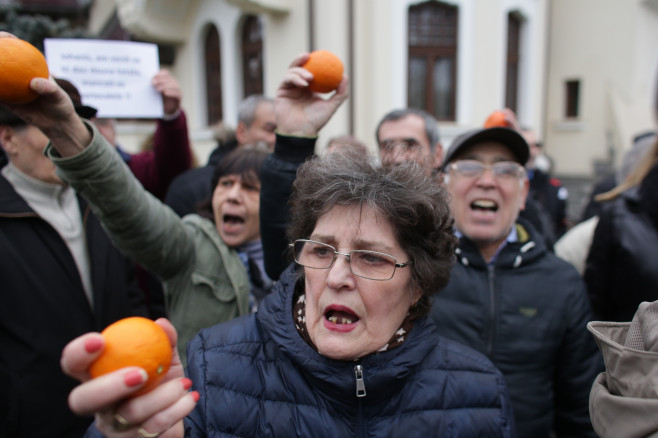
column 505, row 136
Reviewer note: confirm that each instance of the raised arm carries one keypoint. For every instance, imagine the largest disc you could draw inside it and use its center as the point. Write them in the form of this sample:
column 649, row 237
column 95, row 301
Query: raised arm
column 171, row 154
column 300, row 114
column 140, row 226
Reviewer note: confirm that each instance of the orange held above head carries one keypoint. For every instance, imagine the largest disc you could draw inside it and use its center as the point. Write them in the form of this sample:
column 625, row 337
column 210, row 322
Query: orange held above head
column 327, row 70
column 135, row 341
column 20, row 62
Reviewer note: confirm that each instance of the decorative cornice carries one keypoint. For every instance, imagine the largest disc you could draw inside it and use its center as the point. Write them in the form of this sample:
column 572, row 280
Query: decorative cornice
column 263, row 6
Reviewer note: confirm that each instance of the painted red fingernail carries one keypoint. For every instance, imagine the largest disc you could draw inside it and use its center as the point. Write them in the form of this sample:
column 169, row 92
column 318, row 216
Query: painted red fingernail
column 92, row 345
column 135, row 377
column 187, row 383
column 195, row 396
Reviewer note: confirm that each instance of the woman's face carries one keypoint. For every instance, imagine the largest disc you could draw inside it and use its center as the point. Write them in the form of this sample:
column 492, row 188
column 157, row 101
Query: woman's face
column 347, row 316
column 235, row 204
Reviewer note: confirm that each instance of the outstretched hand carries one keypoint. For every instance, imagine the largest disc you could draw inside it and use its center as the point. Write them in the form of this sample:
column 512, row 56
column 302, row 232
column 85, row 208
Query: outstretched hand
column 53, row 113
column 158, row 411
column 299, row 111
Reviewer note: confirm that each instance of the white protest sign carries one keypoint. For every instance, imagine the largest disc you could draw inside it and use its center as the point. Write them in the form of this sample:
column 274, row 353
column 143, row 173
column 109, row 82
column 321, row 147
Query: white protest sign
column 112, row 76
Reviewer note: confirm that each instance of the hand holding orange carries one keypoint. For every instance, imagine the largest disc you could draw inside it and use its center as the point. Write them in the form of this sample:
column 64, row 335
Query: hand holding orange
column 135, row 341
column 327, row 70
column 20, row 62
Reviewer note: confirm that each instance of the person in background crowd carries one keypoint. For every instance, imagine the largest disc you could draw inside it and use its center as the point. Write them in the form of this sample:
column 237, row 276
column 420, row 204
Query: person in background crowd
column 575, row 244
column 508, row 296
column 346, row 142
column 534, row 210
column 256, row 124
column 402, row 135
column 622, row 265
column 61, row 277
column 641, row 144
column 544, row 188
column 409, row 134
column 171, row 154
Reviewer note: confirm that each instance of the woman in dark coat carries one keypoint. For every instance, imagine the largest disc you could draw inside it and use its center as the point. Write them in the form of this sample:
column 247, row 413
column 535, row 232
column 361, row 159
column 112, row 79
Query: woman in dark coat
column 342, row 346
column 622, row 265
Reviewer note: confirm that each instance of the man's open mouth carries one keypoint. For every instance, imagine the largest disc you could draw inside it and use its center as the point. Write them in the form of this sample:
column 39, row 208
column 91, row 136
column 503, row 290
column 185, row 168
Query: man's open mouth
column 484, row 205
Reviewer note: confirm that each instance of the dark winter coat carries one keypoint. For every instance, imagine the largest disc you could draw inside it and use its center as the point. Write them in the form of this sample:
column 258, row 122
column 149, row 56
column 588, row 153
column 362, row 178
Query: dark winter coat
column 622, row 266
column 277, row 176
column 528, row 313
column 44, row 307
column 257, row 377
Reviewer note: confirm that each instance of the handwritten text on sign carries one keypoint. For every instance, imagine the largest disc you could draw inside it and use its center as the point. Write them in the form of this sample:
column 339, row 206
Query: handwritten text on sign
column 112, row 76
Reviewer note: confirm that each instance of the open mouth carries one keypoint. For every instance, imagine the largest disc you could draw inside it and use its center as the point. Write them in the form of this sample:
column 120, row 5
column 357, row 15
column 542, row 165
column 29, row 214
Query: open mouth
column 340, row 317
column 230, row 219
column 484, row 205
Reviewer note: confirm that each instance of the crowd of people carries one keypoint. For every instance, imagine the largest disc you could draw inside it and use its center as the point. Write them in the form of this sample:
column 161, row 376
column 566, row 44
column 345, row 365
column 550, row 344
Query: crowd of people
column 415, row 289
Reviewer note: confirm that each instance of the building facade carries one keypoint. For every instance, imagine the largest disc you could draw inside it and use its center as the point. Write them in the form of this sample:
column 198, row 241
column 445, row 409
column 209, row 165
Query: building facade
column 578, row 72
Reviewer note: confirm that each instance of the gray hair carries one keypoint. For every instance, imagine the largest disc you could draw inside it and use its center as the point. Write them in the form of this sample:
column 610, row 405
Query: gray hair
column 415, row 205
column 431, row 124
column 247, row 108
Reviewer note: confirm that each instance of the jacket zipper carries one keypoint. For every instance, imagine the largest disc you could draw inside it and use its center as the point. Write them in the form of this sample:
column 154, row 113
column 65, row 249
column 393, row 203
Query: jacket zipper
column 361, row 429
column 360, row 384
column 492, row 311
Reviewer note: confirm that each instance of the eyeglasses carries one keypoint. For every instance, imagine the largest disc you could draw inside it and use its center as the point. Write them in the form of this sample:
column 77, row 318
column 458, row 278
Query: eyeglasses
column 372, row 265
column 503, row 170
column 405, row 144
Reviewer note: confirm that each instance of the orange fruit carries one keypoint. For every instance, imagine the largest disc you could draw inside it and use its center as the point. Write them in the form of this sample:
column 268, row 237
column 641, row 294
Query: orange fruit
column 327, row 70
column 497, row 119
column 135, row 341
column 20, row 62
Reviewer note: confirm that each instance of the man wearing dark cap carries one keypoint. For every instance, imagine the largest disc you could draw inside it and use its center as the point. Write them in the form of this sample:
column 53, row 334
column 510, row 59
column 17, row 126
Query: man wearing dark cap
column 61, row 277
column 511, row 298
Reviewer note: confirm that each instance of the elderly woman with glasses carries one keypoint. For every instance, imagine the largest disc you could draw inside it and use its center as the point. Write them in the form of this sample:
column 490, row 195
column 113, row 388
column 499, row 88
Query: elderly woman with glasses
column 342, row 346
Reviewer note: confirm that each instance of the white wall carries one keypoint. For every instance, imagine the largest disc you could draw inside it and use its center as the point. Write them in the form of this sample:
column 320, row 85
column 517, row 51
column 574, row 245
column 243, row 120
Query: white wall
column 611, row 47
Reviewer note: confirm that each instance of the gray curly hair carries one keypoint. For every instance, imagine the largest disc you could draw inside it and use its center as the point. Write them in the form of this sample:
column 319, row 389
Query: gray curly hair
column 414, row 204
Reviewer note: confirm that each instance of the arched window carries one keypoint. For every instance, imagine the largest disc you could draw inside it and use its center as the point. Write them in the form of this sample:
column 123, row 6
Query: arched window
column 512, row 75
column 252, row 56
column 433, row 58
column 213, row 75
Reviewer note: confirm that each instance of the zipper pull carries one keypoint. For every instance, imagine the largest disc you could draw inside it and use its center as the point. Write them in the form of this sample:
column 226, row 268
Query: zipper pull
column 360, row 384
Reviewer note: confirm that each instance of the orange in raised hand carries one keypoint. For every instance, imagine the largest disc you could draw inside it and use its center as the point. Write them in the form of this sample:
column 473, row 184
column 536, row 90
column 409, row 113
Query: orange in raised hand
column 327, row 70
column 135, row 341
column 20, row 62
